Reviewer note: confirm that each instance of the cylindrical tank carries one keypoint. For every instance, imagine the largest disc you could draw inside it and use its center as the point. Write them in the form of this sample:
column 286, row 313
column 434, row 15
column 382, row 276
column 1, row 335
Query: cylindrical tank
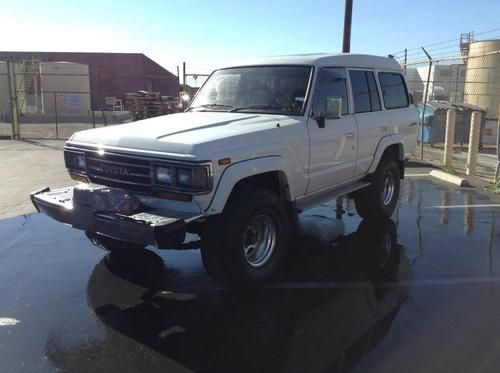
column 482, row 79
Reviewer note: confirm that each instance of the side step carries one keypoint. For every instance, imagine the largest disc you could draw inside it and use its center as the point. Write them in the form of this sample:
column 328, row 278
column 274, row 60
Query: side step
column 318, row 198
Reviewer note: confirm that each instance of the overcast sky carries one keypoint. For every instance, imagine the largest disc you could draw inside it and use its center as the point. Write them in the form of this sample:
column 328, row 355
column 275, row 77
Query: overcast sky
column 208, row 33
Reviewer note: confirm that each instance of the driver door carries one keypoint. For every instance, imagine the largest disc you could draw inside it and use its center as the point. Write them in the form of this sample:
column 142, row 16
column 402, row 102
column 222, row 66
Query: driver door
column 333, row 147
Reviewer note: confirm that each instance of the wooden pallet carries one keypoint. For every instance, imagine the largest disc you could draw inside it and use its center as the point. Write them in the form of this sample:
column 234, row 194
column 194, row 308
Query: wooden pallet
column 143, row 105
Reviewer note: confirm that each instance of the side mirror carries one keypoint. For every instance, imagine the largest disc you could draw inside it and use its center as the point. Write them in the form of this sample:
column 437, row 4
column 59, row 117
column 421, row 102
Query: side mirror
column 333, row 108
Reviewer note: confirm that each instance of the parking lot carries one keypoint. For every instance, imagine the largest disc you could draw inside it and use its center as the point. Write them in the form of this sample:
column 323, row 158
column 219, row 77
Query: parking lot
column 419, row 292
column 26, row 166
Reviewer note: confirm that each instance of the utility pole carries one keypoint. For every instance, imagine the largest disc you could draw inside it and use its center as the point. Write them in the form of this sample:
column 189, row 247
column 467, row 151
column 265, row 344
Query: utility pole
column 346, row 48
column 178, row 77
column 406, row 59
column 346, row 45
column 183, row 75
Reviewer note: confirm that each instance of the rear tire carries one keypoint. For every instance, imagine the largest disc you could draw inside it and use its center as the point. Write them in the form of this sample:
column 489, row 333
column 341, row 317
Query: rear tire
column 246, row 245
column 111, row 244
column 379, row 200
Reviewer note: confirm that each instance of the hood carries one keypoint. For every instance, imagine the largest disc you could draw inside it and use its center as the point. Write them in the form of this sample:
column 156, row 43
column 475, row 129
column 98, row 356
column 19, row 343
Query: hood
column 176, row 134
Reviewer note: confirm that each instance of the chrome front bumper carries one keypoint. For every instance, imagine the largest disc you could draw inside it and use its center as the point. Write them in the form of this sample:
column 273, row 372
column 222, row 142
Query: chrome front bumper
column 112, row 212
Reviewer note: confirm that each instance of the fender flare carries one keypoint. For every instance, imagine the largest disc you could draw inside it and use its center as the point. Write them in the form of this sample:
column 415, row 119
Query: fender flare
column 242, row 170
column 383, row 144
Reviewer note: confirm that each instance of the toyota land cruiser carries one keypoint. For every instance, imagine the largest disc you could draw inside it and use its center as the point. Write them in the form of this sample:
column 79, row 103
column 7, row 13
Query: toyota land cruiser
column 259, row 143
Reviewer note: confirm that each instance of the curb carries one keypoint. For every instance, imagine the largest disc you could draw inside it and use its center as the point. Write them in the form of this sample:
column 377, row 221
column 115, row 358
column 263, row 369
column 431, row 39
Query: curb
column 453, row 179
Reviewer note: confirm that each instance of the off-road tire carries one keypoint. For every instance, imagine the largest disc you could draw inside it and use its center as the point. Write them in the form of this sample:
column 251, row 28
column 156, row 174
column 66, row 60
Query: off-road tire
column 222, row 249
column 111, row 244
column 372, row 202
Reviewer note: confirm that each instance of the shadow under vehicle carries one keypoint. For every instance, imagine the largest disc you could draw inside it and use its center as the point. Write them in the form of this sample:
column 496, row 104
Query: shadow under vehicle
column 334, row 303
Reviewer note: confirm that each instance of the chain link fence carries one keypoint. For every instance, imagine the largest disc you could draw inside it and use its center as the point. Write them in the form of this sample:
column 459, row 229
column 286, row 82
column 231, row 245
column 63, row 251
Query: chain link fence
column 6, row 129
column 51, row 100
column 463, row 84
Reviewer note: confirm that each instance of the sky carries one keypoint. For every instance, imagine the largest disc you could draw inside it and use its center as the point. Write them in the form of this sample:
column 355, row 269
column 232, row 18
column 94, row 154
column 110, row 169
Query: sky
column 207, row 34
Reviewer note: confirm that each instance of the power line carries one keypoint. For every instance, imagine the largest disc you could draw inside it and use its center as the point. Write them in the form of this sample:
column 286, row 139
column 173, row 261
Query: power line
column 426, row 46
column 444, row 42
column 486, row 32
column 448, row 55
column 421, row 53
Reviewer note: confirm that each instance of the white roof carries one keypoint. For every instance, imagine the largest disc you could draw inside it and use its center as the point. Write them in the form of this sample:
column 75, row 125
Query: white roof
column 325, row 59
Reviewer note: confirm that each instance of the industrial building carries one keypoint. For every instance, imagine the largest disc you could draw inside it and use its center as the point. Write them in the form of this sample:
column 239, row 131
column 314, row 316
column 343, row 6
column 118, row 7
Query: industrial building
column 109, row 75
column 446, row 82
column 45, row 87
column 473, row 84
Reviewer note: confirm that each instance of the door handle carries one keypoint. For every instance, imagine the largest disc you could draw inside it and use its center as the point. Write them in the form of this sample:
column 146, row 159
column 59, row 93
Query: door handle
column 412, row 124
column 349, row 135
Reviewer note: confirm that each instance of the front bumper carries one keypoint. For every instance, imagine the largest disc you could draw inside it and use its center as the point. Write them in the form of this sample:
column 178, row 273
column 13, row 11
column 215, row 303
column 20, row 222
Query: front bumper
column 114, row 213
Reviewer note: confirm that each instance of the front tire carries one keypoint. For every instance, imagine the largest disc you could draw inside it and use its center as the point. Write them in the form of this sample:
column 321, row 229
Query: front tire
column 246, row 245
column 379, row 200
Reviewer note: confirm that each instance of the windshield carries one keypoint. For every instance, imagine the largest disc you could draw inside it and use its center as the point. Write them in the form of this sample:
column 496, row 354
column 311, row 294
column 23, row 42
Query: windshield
column 269, row 89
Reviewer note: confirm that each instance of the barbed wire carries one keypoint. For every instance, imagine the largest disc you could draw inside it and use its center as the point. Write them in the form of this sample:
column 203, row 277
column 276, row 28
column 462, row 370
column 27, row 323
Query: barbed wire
column 428, row 46
column 449, row 58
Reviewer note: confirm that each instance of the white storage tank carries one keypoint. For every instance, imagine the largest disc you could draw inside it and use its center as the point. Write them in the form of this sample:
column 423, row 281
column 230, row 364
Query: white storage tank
column 482, row 79
column 65, row 86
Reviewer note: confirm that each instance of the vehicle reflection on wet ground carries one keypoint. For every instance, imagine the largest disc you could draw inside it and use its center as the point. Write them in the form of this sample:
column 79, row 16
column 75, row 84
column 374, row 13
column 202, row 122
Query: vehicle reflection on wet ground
column 419, row 292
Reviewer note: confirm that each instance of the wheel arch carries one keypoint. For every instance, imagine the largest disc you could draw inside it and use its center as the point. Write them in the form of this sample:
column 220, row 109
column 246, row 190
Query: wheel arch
column 269, row 172
column 389, row 147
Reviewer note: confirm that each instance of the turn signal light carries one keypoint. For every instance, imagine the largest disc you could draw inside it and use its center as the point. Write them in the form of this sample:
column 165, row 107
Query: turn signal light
column 173, row 196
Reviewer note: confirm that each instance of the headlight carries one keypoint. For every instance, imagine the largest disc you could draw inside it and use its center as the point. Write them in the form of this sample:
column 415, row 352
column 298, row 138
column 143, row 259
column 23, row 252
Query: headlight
column 185, row 176
column 80, row 161
column 195, row 179
column 163, row 175
column 74, row 161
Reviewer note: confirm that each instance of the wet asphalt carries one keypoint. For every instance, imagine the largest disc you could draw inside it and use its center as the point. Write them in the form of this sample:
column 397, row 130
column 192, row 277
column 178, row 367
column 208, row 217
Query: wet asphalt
column 419, row 292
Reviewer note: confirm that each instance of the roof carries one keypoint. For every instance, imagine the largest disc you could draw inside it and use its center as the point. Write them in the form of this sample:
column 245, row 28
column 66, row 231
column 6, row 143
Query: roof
column 325, row 59
column 104, row 62
column 445, row 105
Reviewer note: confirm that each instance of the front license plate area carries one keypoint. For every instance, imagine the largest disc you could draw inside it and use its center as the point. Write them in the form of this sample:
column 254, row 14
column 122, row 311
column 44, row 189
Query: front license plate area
column 89, row 199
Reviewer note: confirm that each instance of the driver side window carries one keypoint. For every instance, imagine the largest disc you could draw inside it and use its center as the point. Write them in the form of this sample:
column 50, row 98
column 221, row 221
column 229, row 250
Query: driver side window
column 332, row 82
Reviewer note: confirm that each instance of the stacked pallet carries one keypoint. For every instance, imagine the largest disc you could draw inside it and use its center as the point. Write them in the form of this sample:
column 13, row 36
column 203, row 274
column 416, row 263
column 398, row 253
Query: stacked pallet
column 142, row 105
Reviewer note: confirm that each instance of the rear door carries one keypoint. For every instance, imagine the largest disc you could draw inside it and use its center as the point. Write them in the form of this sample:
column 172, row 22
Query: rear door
column 401, row 113
column 333, row 147
column 371, row 120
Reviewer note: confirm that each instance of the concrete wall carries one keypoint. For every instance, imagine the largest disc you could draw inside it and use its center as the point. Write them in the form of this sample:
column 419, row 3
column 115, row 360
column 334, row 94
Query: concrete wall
column 415, row 84
column 448, row 77
column 65, row 84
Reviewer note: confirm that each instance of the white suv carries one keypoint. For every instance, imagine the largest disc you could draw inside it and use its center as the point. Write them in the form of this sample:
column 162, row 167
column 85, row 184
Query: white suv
column 259, row 143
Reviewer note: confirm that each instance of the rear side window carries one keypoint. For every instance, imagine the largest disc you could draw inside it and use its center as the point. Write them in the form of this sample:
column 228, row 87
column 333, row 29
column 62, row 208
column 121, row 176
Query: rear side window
column 331, row 83
column 364, row 91
column 393, row 90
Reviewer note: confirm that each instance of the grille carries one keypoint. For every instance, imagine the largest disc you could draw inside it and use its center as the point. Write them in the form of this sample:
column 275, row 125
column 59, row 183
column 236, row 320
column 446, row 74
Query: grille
column 119, row 171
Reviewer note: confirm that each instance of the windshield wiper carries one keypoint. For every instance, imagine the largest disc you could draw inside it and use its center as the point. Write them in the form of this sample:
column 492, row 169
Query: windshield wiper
column 257, row 107
column 211, row 106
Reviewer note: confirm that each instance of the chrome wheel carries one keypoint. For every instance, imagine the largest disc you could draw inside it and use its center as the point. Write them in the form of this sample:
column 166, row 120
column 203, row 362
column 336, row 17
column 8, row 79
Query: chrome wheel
column 388, row 190
column 259, row 240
